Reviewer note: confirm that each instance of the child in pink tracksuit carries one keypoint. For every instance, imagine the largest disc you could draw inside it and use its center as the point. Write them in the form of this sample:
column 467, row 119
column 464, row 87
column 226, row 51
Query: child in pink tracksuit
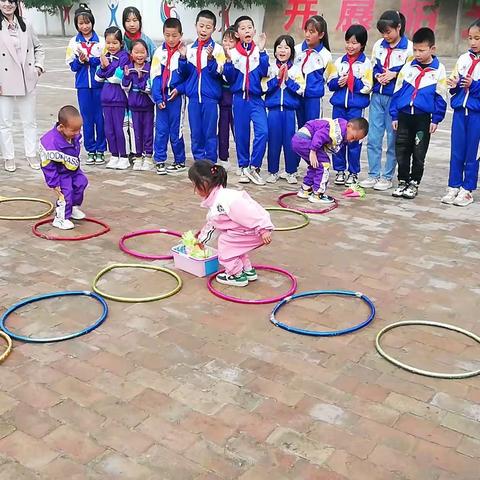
column 242, row 223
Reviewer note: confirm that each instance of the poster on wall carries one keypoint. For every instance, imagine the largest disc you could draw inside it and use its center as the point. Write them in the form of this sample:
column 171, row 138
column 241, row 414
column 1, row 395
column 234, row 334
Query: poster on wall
column 113, row 7
column 168, row 10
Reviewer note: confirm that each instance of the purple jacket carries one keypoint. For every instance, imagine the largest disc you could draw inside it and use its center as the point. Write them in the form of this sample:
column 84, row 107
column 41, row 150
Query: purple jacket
column 327, row 135
column 58, row 156
column 139, row 88
column 112, row 92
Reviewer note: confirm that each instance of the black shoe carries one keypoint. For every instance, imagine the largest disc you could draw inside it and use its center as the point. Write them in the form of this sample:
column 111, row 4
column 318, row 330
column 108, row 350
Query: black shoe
column 398, row 192
column 340, row 178
column 161, row 169
column 411, row 191
column 176, row 168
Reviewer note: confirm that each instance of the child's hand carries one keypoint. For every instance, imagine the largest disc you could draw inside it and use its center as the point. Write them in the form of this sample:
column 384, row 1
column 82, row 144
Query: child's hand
column 465, row 82
column 395, row 124
column 126, row 70
column 452, row 82
column 433, row 127
column 209, row 51
column 82, row 56
column 103, row 61
column 313, row 159
column 161, row 105
column 342, row 81
column 173, row 95
column 388, row 76
column 267, row 237
column 228, row 57
column 182, row 50
column 262, row 41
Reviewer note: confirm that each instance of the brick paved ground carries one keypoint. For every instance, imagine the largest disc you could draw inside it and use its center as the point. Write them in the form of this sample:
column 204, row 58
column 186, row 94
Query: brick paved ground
column 193, row 388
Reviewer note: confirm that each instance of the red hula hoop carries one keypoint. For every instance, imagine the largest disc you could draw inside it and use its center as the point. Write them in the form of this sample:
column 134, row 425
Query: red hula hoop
column 139, row 233
column 36, row 232
column 280, row 201
column 229, row 298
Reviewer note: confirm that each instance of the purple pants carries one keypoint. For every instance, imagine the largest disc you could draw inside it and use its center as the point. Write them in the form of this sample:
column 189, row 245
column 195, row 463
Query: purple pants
column 114, row 131
column 317, row 178
column 225, row 124
column 73, row 186
column 143, row 131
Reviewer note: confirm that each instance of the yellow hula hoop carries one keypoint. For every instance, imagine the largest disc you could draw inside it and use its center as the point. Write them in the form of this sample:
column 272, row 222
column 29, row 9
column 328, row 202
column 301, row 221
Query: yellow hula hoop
column 131, row 299
column 6, row 353
column 290, row 210
column 27, row 199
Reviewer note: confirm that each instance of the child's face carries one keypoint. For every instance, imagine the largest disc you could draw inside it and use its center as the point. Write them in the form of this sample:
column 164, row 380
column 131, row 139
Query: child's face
column 391, row 35
column 352, row 47
column 112, row 43
column 474, row 39
column 172, row 36
column 71, row 128
column 204, row 28
column 229, row 42
column 312, row 37
column 354, row 133
column 423, row 52
column 84, row 25
column 283, row 52
column 139, row 54
column 132, row 24
column 246, row 31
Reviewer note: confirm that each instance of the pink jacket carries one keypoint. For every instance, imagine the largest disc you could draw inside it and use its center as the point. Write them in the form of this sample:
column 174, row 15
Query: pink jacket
column 234, row 211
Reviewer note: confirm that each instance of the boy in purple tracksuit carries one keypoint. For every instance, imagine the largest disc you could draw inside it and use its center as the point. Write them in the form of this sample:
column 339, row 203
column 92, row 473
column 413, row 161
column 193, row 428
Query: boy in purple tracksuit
column 114, row 100
column 137, row 80
column 314, row 141
column 60, row 157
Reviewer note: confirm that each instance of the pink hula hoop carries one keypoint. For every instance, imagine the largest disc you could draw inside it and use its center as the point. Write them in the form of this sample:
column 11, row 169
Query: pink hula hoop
column 38, row 233
column 229, row 298
column 280, row 201
column 146, row 256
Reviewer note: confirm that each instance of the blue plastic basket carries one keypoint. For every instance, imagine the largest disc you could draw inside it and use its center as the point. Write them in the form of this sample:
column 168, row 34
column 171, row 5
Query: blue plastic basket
column 200, row 267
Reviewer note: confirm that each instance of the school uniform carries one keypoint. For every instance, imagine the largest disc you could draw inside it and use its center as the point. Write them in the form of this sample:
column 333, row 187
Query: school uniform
column 244, row 75
column 349, row 102
column 204, row 89
column 225, row 121
column 166, row 77
column 60, row 162
column 114, row 102
column 466, row 124
column 419, row 99
column 141, row 106
column 88, row 89
column 282, row 99
column 316, row 67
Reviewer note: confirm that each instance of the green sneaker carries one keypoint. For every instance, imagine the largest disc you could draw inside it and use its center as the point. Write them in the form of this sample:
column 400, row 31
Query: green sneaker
column 239, row 280
column 90, row 159
column 251, row 274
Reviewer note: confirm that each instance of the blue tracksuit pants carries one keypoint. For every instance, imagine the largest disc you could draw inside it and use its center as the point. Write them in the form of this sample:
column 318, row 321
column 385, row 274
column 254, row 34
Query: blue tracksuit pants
column 310, row 109
column 281, row 128
column 244, row 112
column 350, row 151
column 93, row 123
column 203, row 120
column 169, row 124
column 464, row 149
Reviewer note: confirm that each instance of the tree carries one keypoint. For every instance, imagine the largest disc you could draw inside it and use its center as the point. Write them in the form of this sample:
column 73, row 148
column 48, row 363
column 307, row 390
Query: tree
column 52, row 7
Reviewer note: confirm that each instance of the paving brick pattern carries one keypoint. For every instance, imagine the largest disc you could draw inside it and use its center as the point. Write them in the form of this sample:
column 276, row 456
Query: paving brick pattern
column 194, row 388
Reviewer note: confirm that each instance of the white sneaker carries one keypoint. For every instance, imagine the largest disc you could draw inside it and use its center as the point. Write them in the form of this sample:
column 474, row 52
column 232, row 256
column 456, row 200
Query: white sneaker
column 243, row 177
column 147, row 164
column 10, row 165
column 62, row 224
column 272, row 178
column 383, row 184
column 304, row 192
column 225, row 164
column 77, row 214
column 137, row 164
column 34, row 163
column 369, row 182
column 254, row 175
column 113, row 163
column 123, row 163
column 451, row 195
column 321, row 198
column 464, row 198
column 238, row 172
column 291, row 178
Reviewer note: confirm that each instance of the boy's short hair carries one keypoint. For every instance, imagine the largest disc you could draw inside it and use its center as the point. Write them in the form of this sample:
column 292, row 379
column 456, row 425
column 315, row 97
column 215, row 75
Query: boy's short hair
column 360, row 123
column 243, row 18
column 173, row 23
column 424, row 35
column 207, row 14
column 67, row 112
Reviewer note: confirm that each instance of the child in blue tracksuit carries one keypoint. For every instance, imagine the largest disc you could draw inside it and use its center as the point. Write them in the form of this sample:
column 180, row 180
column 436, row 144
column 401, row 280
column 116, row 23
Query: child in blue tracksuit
column 136, row 80
column 83, row 58
column 282, row 99
column 418, row 105
column 388, row 57
column 351, row 84
column 244, row 69
column 202, row 68
column 132, row 24
column 314, row 59
column 464, row 86
column 168, row 89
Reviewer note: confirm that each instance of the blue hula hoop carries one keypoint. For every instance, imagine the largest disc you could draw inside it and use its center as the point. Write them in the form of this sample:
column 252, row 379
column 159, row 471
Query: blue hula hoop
column 37, row 298
column 315, row 333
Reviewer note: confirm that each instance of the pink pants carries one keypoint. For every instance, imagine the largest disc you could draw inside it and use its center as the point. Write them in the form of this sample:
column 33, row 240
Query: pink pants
column 233, row 249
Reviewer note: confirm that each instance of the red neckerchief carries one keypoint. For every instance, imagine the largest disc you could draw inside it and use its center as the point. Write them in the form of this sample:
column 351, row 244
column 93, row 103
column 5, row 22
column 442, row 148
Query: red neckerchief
column 475, row 62
column 285, row 74
column 307, row 54
column 88, row 47
column 166, row 72
column 199, row 56
column 386, row 63
column 351, row 77
column 246, row 53
column 135, row 36
column 423, row 72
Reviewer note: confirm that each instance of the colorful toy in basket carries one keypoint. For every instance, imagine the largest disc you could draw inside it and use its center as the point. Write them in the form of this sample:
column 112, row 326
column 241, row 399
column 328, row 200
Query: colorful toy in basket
column 192, row 258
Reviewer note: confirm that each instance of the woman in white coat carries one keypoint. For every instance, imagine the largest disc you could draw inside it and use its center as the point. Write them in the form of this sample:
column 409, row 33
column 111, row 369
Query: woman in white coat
column 21, row 63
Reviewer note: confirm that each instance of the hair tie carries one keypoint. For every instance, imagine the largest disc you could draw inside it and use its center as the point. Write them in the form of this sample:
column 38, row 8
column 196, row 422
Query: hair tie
column 214, row 169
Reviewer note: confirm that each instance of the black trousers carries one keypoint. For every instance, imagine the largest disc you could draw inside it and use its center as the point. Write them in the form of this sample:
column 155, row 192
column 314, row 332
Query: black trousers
column 411, row 145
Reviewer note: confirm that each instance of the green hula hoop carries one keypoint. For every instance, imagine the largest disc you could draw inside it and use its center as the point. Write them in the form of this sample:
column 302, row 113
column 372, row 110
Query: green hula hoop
column 27, row 199
column 418, row 370
column 8, row 340
column 290, row 210
column 131, row 299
